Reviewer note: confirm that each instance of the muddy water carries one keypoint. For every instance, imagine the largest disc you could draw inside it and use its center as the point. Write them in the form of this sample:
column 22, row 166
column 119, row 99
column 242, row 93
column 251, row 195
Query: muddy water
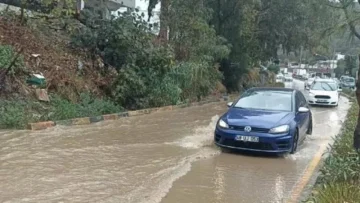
column 161, row 157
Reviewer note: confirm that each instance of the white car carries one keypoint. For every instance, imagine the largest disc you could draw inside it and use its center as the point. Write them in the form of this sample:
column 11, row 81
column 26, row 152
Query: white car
column 309, row 82
column 288, row 78
column 324, row 92
column 279, row 78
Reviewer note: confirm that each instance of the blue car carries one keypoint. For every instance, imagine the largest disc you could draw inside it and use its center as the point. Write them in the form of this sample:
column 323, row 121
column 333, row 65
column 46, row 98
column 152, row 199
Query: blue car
column 265, row 120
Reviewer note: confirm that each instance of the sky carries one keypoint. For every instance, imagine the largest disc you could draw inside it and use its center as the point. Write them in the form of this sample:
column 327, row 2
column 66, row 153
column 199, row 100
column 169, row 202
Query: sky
column 142, row 5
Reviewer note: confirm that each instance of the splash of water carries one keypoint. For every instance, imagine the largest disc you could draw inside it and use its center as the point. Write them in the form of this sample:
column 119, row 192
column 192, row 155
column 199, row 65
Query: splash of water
column 202, row 136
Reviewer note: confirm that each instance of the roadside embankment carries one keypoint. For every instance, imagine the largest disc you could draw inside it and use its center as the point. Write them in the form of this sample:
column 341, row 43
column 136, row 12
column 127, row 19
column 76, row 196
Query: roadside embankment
column 339, row 179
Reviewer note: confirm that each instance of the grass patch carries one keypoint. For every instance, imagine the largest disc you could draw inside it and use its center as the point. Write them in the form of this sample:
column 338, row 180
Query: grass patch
column 339, row 179
column 17, row 113
column 349, row 92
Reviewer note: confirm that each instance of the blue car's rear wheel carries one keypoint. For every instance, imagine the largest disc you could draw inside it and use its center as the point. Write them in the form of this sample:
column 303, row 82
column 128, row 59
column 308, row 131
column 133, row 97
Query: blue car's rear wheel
column 294, row 142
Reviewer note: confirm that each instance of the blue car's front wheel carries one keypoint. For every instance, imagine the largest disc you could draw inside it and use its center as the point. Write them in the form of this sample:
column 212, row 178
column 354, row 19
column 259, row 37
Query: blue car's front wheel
column 295, row 142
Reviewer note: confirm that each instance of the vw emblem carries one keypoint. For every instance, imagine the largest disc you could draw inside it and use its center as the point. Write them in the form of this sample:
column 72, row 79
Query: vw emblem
column 247, row 128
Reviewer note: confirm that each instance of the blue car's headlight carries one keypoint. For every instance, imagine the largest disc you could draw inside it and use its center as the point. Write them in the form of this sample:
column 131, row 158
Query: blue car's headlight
column 280, row 129
column 223, row 124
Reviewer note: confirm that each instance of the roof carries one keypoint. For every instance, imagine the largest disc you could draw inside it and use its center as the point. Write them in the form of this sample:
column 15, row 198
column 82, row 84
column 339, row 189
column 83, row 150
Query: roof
column 324, row 80
column 272, row 89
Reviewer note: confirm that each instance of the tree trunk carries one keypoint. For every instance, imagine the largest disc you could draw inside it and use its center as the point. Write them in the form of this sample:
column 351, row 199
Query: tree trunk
column 357, row 129
column 164, row 15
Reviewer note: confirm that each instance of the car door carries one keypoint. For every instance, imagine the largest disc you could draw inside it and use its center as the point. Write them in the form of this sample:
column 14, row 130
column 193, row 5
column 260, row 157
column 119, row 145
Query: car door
column 302, row 119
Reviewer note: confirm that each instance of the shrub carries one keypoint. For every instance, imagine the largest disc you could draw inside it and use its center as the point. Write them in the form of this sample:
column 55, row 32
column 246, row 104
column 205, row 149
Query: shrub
column 13, row 114
column 7, row 54
column 337, row 192
column 195, row 79
column 87, row 106
column 340, row 177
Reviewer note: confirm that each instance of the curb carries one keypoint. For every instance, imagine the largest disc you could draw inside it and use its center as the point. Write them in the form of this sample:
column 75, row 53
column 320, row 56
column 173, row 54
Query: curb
column 116, row 116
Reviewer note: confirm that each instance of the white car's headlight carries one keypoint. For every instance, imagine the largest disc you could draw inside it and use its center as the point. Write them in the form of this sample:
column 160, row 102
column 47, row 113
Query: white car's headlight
column 280, row 129
column 311, row 94
column 223, row 124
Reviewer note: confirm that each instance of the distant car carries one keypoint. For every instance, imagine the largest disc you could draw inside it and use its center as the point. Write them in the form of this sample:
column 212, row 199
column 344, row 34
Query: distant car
column 309, row 82
column 266, row 120
column 324, row 92
column 279, row 78
column 288, row 78
column 348, row 82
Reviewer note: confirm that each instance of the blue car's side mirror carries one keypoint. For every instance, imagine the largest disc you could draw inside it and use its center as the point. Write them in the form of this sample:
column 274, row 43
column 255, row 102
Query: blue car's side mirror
column 229, row 104
column 303, row 110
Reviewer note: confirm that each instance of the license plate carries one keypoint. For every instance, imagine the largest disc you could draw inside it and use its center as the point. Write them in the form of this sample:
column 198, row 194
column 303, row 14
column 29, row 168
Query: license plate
column 247, row 138
column 322, row 100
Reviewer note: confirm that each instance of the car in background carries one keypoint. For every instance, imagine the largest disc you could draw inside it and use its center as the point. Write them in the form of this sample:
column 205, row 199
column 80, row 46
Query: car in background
column 279, row 78
column 308, row 83
column 288, row 78
column 271, row 120
column 347, row 82
column 324, row 92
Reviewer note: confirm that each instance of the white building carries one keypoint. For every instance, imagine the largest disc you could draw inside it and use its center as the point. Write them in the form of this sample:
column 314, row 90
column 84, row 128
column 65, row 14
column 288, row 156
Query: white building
column 105, row 7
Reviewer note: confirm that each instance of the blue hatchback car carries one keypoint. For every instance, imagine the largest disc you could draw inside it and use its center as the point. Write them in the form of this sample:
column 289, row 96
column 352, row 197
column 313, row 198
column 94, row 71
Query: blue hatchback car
column 265, row 120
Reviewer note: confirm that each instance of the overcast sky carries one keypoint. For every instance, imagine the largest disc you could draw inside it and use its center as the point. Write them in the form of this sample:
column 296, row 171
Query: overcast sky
column 142, row 5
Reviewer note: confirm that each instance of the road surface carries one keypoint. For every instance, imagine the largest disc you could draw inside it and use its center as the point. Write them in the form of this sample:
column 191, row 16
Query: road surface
column 165, row 157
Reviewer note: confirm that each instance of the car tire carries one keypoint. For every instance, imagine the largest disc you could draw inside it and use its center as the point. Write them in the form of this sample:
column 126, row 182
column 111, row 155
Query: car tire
column 295, row 142
column 310, row 127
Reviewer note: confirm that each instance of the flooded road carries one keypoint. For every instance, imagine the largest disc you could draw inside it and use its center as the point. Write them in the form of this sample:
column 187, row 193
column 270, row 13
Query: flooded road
column 166, row 157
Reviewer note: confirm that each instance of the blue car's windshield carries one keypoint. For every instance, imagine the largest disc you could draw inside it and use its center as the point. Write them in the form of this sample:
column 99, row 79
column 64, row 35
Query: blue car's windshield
column 266, row 100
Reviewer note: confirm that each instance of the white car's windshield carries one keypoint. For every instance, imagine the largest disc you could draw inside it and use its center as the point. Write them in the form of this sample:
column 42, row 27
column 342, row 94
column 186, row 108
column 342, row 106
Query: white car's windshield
column 324, row 86
column 266, row 100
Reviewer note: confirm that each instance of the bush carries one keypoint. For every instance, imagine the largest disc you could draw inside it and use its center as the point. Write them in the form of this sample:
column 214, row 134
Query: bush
column 274, row 68
column 340, row 175
column 148, row 73
column 13, row 114
column 16, row 113
column 62, row 109
column 338, row 192
column 195, row 79
column 7, row 54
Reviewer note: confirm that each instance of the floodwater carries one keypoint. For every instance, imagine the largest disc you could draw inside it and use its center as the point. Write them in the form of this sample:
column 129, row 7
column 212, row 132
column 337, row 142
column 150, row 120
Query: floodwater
column 165, row 157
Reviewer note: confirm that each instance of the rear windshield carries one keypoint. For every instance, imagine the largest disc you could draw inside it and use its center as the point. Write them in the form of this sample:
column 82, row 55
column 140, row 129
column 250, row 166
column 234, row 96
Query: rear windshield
column 266, row 100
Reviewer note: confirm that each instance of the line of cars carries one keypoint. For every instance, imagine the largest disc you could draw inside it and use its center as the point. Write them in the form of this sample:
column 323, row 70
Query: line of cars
column 273, row 120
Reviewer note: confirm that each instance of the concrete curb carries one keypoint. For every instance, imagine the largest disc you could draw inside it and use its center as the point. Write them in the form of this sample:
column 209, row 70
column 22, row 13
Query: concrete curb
column 116, row 116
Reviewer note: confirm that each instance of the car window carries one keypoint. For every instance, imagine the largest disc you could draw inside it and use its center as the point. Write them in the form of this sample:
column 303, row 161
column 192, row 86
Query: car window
column 303, row 101
column 266, row 100
column 297, row 101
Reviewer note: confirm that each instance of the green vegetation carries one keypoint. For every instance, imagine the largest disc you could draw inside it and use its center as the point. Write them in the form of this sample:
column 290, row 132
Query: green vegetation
column 198, row 52
column 339, row 180
column 17, row 112
column 7, row 53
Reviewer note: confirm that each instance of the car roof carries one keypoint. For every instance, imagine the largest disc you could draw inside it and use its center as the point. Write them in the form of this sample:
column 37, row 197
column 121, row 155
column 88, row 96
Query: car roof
column 325, row 80
column 282, row 89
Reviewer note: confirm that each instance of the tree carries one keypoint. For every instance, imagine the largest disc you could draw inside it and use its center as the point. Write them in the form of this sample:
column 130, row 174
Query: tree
column 258, row 29
column 340, row 70
column 164, row 15
column 350, row 16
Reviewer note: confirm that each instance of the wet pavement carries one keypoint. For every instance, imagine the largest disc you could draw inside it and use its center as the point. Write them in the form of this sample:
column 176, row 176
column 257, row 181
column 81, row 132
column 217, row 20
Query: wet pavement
column 166, row 157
